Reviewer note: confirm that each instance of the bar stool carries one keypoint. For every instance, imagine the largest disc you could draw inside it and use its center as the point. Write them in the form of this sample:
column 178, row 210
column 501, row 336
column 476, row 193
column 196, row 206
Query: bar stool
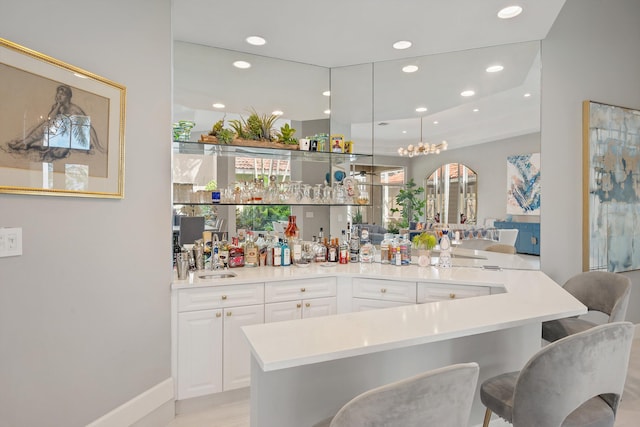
column 600, row 291
column 441, row 397
column 556, row 388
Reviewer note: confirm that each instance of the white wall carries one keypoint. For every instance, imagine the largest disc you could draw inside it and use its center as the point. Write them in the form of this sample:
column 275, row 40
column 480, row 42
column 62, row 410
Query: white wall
column 489, row 161
column 591, row 53
column 84, row 312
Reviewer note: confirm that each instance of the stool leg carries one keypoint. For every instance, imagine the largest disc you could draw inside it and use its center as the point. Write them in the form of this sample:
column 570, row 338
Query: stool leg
column 487, row 418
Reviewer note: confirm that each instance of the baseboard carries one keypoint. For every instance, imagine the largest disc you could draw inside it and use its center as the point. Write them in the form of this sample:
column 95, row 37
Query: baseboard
column 137, row 408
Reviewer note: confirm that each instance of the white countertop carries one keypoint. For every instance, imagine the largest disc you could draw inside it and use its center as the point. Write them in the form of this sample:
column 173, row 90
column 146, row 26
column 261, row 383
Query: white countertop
column 530, row 297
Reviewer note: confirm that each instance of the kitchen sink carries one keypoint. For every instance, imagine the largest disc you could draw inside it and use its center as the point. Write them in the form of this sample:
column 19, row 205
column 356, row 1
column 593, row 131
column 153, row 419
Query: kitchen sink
column 215, row 275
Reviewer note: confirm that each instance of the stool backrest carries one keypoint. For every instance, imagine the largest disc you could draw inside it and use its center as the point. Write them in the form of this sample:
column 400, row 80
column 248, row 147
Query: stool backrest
column 441, row 397
column 568, row 372
column 602, row 291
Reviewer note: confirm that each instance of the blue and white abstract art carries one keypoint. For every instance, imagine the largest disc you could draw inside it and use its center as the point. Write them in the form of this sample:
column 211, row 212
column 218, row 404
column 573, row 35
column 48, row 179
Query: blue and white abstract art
column 523, row 184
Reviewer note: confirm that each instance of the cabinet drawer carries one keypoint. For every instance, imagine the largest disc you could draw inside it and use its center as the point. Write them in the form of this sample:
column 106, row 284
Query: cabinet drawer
column 385, row 290
column 291, row 290
column 363, row 304
column 429, row 292
column 220, row 296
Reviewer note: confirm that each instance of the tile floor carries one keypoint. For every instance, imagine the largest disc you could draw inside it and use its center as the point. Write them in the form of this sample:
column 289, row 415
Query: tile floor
column 235, row 413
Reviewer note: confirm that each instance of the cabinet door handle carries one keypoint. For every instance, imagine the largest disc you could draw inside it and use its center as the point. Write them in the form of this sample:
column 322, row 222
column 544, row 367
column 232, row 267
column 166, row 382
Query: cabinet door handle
column 228, row 313
column 303, row 289
column 298, row 305
column 224, row 297
column 308, row 304
column 452, row 296
column 383, row 290
column 218, row 314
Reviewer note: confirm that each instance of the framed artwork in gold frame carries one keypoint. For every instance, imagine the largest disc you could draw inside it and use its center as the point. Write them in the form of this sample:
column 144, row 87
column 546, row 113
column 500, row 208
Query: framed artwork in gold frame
column 61, row 127
column 611, row 187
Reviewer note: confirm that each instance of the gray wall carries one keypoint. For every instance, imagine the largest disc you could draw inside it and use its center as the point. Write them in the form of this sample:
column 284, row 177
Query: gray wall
column 591, row 53
column 85, row 311
column 489, row 161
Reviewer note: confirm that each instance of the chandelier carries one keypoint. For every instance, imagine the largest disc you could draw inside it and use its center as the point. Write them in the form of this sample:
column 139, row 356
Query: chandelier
column 422, row 148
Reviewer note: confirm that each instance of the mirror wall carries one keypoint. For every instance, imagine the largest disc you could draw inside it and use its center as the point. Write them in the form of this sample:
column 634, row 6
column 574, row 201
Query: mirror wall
column 451, row 195
column 375, row 105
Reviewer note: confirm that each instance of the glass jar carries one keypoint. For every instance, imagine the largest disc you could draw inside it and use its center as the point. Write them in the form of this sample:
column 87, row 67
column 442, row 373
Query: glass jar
column 386, row 248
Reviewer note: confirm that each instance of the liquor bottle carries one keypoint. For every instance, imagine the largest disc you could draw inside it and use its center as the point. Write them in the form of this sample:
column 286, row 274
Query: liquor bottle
column 223, row 253
column 277, row 252
column 332, row 251
column 286, row 254
column 251, row 258
column 320, row 251
column 354, row 245
column 176, row 247
column 343, row 257
column 367, row 250
column 386, row 249
column 291, row 234
column 269, row 250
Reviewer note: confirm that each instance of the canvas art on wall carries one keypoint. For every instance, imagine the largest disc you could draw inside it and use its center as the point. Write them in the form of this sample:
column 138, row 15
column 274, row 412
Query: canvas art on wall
column 611, row 187
column 523, row 184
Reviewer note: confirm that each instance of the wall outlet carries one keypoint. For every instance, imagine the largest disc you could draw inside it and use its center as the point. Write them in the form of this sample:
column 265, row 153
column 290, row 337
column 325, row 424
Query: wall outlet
column 308, row 215
column 10, row 242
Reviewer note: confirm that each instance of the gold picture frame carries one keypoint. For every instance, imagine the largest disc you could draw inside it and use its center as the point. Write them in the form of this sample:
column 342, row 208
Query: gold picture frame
column 611, row 187
column 61, row 127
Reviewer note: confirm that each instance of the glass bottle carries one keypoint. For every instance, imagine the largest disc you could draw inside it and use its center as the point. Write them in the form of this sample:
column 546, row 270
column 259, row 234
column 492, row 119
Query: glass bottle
column 343, row 257
column 332, row 251
column 367, row 250
column 276, row 252
column 223, row 253
column 444, row 258
column 251, row 254
column 354, row 245
column 292, row 228
column 320, row 251
column 386, row 249
column 286, row 254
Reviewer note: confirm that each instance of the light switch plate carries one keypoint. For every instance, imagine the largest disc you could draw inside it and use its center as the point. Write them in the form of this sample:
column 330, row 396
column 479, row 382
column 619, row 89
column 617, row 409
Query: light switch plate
column 10, row 242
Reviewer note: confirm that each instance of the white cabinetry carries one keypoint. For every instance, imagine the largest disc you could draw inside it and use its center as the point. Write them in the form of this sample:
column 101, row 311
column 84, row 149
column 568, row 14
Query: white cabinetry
column 369, row 294
column 431, row 292
column 212, row 353
column 297, row 299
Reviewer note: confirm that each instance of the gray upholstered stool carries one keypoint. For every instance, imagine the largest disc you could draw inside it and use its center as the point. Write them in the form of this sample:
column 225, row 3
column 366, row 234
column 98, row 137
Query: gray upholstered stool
column 576, row 381
column 600, row 291
column 441, row 397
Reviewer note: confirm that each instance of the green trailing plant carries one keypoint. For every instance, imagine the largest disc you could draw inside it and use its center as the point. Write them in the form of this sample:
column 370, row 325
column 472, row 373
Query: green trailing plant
column 424, row 240
column 412, row 203
column 286, row 133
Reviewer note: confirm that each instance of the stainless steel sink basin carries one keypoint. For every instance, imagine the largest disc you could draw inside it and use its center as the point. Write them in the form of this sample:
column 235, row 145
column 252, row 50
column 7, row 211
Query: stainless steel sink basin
column 216, row 275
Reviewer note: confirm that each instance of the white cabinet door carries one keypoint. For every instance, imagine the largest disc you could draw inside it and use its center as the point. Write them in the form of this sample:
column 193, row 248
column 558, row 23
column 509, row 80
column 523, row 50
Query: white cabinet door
column 236, row 353
column 362, row 304
column 319, row 307
column 279, row 311
column 199, row 353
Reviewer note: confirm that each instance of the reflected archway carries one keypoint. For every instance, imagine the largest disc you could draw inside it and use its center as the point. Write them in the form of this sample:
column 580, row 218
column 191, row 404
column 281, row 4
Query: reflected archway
column 451, row 193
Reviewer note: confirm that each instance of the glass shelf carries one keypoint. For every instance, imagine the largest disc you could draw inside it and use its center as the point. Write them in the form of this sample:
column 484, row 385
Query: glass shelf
column 204, row 148
column 270, row 204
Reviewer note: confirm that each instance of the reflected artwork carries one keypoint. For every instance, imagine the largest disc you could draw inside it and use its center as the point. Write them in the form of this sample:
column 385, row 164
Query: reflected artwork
column 523, row 184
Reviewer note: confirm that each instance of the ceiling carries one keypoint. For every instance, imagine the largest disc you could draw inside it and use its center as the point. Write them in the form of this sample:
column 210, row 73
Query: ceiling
column 333, row 33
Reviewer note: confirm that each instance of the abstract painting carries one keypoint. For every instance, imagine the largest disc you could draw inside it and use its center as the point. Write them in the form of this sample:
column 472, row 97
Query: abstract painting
column 611, row 187
column 523, row 184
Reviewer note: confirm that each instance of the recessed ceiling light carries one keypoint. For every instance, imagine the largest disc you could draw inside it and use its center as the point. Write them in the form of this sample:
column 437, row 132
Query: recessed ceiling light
column 509, row 12
column 527, row 95
column 218, row 105
column 410, row 68
column 435, row 122
column 255, row 40
column 475, row 110
column 467, row 93
column 327, row 111
column 241, row 64
column 327, row 93
column 277, row 113
column 421, row 109
column 494, row 68
column 404, row 131
column 402, row 44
